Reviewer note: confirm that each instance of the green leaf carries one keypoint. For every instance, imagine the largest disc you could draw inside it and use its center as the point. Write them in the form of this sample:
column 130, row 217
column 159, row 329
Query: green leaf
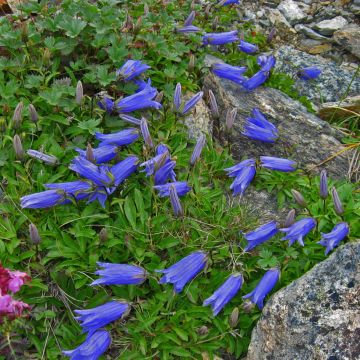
column 130, row 211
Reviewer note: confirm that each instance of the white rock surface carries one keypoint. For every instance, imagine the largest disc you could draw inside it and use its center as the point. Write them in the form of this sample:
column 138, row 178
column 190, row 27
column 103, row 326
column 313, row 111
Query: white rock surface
column 292, row 12
column 328, row 27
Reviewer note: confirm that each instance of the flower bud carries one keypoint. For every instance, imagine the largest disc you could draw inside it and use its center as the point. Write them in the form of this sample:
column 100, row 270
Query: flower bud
column 230, row 118
column 17, row 117
column 79, row 94
column 159, row 96
column 215, row 23
column 34, row 234
column 207, row 11
column 213, row 105
column 19, row 151
column 33, row 113
column 234, row 317
column 323, row 185
column 337, row 203
column 298, row 198
column 203, row 330
column 248, row 306
column 271, row 35
column 103, row 235
column 290, row 218
column 191, row 65
column 90, row 154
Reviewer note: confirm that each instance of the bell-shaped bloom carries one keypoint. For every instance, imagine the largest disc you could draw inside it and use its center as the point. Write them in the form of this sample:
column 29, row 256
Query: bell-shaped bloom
column 119, row 274
column 339, row 209
column 309, row 73
column 89, row 171
column 224, row 293
column 265, row 285
column 47, row 159
column 155, row 163
column 92, row 348
column 244, row 173
column 298, row 231
column 247, row 47
column 188, row 29
column 220, row 38
column 140, row 100
column 324, row 192
column 229, row 2
column 130, row 119
column 198, row 149
column 233, row 73
column 106, row 104
column 146, row 133
column 192, row 102
column 261, row 60
column 120, row 138
column 11, row 308
column 141, row 84
column 184, row 270
column 42, row 199
column 259, row 119
column 122, row 170
column 181, row 187
column 164, row 173
column 255, row 81
column 267, row 63
column 92, row 320
column 260, row 235
column 177, row 96
column 75, row 190
column 131, row 69
column 237, row 169
column 260, row 133
column 102, row 154
column 175, row 202
column 11, row 280
column 189, row 20
column 333, row 238
column 278, row 164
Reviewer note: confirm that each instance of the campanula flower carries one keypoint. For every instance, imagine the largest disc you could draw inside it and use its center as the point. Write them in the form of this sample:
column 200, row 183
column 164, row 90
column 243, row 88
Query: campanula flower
column 146, row 133
column 255, row 81
column 198, row 149
column 189, row 20
column 337, row 202
column 131, row 69
column 220, row 38
column 192, row 102
column 278, row 164
column 233, row 73
column 188, row 29
column 164, row 173
column 267, row 64
column 75, row 190
column 297, row 231
column 47, row 159
column 42, row 199
column 119, row 274
column 106, row 104
column 155, row 163
column 92, row 348
column 130, row 119
column 258, row 127
column 142, row 84
column 259, row 119
column 247, row 47
column 238, row 168
column 142, row 99
column 177, row 96
column 102, row 154
column 122, row 170
column 260, row 235
column 261, row 60
column 120, row 138
column 265, row 285
column 182, row 188
column 333, row 238
column 229, row 2
column 323, row 185
column 184, row 270
column 92, row 320
column 224, row 293
column 175, row 202
column 309, row 73
column 90, row 171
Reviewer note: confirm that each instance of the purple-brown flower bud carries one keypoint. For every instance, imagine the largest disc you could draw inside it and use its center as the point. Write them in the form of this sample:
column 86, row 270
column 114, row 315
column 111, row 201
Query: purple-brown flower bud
column 19, row 151
column 234, row 317
column 290, row 218
column 34, row 234
column 191, row 65
column 33, row 113
column 203, row 330
column 271, row 35
column 323, row 185
column 17, row 117
column 90, row 154
column 79, row 95
column 337, row 202
column 298, row 198
column 213, row 105
column 103, row 235
column 230, row 118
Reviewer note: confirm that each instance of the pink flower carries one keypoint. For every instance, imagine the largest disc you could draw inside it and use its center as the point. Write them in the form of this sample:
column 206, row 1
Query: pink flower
column 11, row 280
column 11, row 308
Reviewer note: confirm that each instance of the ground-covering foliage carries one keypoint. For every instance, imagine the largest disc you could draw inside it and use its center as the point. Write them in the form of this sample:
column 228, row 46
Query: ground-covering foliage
column 45, row 51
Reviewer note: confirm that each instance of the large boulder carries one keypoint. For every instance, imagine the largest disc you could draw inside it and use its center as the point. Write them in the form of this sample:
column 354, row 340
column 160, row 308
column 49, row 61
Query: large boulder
column 304, row 137
column 317, row 317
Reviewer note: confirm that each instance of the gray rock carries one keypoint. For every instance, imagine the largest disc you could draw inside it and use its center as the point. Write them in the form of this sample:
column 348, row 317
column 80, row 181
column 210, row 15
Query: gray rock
column 328, row 27
column 349, row 38
column 304, row 137
column 292, row 12
column 317, row 317
column 310, row 33
column 330, row 86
